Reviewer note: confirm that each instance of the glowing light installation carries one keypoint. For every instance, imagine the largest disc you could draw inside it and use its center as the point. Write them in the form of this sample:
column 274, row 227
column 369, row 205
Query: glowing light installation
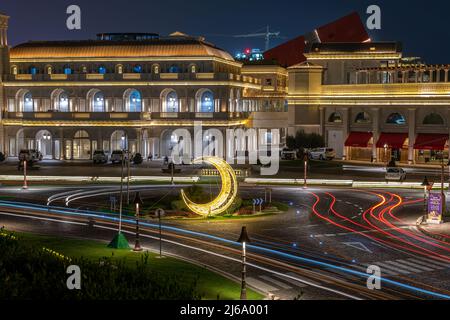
column 227, row 194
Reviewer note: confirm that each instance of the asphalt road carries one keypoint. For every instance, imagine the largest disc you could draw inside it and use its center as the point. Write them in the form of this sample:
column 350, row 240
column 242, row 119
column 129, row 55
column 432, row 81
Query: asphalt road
column 288, row 169
column 324, row 234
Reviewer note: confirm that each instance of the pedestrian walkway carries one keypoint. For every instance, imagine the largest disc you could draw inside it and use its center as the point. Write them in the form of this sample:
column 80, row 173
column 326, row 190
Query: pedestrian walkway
column 406, row 266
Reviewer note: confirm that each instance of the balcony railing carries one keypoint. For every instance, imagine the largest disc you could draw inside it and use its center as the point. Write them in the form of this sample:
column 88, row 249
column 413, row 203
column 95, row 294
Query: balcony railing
column 125, row 116
column 200, row 76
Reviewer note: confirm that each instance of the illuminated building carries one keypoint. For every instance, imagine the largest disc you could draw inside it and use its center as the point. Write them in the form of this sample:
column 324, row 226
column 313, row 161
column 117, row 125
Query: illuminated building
column 369, row 105
column 69, row 98
column 249, row 55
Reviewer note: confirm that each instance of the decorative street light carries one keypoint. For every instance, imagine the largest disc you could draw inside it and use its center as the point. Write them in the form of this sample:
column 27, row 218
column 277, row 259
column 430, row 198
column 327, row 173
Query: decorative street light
column 137, row 202
column 244, row 239
column 385, row 154
column 25, row 184
column 305, row 164
column 159, row 213
column 120, row 241
column 426, row 184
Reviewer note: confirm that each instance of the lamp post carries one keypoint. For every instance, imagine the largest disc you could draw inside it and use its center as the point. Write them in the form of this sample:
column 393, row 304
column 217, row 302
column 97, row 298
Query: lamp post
column 120, row 241
column 425, row 185
column 244, row 239
column 25, row 184
column 128, row 175
column 159, row 213
column 448, row 164
column 385, row 154
column 305, row 164
column 137, row 202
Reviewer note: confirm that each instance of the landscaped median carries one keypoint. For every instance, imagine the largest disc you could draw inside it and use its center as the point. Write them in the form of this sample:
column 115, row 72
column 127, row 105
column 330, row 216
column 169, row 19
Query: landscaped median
column 96, row 179
column 34, row 266
column 340, row 183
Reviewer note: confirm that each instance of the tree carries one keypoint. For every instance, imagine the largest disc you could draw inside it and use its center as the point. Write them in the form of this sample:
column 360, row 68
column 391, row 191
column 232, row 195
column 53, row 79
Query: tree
column 303, row 140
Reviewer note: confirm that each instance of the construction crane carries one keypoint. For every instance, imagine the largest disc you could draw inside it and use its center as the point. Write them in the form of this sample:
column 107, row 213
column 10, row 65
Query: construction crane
column 267, row 35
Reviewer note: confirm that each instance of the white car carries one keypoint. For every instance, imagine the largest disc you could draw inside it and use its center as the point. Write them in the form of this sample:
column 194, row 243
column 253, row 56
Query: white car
column 100, row 157
column 395, row 174
column 321, row 154
column 116, row 156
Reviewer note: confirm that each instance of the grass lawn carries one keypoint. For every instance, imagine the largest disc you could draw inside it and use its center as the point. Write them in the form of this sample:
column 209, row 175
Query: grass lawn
column 209, row 284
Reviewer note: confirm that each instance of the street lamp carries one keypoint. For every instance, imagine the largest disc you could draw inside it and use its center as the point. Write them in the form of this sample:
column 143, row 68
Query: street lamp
column 137, row 202
column 244, row 239
column 120, row 241
column 159, row 213
column 385, row 154
column 305, row 172
column 426, row 184
column 25, row 184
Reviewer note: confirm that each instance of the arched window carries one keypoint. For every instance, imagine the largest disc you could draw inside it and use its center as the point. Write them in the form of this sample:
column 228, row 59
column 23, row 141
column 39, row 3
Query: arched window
column 33, row 70
column 155, row 69
column 28, row 102
column 171, row 102
column 14, row 70
column 63, row 102
column 193, row 68
column 67, row 70
column 433, row 119
column 362, row 117
column 98, row 102
column 134, row 101
column 174, row 69
column 137, row 68
column 207, row 102
column 396, row 118
column 102, row 69
column 119, row 140
column 81, row 145
column 335, row 117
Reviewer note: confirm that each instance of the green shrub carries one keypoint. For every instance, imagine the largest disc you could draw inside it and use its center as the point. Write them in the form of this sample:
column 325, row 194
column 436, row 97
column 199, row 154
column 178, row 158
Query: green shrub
column 29, row 272
column 137, row 159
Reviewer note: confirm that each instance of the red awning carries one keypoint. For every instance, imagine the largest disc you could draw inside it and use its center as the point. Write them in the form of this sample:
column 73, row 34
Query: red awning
column 358, row 139
column 392, row 140
column 426, row 141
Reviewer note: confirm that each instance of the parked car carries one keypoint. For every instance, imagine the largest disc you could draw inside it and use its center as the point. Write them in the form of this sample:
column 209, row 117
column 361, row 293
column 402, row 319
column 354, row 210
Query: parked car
column 37, row 155
column 322, row 154
column 26, row 155
column 395, row 174
column 99, row 157
column 116, row 156
column 287, row 154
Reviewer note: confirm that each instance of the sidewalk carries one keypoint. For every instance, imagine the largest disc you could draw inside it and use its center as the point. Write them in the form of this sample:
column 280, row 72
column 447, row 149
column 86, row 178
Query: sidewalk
column 439, row 232
column 383, row 164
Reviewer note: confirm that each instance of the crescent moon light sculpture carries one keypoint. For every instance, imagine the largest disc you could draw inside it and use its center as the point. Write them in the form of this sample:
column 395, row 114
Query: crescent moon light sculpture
column 227, row 194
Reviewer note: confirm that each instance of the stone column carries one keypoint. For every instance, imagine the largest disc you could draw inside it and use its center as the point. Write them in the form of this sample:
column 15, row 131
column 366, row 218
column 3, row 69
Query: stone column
column 139, row 140
column 322, row 121
column 411, row 134
column 345, row 131
column 375, row 131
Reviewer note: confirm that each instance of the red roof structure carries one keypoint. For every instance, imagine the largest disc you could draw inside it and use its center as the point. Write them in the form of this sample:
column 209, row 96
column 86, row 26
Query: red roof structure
column 346, row 29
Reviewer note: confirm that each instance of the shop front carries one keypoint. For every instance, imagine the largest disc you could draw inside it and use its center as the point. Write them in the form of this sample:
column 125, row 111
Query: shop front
column 431, row 148
column 359, row 146
column 392, row 147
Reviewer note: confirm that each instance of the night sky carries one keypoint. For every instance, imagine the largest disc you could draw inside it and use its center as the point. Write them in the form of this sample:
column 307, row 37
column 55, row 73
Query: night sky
column 422, row 26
